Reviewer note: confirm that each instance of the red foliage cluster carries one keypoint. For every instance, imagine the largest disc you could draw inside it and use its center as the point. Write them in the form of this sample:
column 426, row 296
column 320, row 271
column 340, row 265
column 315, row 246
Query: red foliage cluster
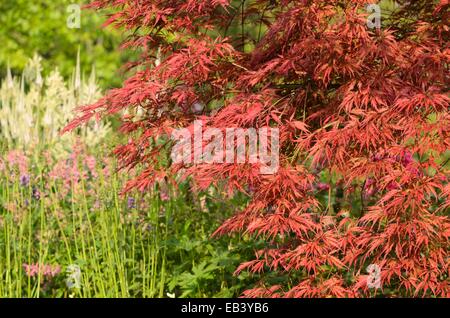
column 368, row 107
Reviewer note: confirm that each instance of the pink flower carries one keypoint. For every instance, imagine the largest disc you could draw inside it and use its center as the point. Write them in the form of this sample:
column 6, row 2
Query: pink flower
column 33, row 270
column 107, row 167
column 67, row 171
column 18, row 158
column 91, row 164
column 164, row 196
column 48, row 158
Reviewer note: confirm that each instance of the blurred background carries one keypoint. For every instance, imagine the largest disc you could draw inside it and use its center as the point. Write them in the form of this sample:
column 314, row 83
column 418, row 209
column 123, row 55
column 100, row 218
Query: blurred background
column 46, row 27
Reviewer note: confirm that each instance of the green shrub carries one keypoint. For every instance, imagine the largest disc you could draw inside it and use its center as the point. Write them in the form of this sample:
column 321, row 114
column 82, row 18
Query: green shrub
column 41, row 26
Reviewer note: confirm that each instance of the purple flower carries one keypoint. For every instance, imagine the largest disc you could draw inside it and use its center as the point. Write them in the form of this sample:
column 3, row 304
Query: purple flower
column 131, row 203
column 24, row 180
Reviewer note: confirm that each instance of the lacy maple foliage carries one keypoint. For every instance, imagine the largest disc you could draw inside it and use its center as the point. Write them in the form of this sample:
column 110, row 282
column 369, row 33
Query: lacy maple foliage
column 367, row 107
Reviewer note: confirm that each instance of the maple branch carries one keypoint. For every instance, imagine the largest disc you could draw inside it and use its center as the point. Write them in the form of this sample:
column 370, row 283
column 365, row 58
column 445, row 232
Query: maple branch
column 230, row 21
column 444, row 164
column 242, row 25
column 294, row 86
column 362, row 198
column 261, row 21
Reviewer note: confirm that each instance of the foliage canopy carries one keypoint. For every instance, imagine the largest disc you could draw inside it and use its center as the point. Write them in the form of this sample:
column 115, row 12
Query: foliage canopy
column 366, row 108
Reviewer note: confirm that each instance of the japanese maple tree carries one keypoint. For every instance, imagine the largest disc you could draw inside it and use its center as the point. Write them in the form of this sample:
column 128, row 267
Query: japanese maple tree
column 366, row 109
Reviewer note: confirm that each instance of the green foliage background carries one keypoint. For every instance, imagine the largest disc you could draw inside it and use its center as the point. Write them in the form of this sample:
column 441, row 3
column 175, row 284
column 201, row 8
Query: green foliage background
column 41, row 26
